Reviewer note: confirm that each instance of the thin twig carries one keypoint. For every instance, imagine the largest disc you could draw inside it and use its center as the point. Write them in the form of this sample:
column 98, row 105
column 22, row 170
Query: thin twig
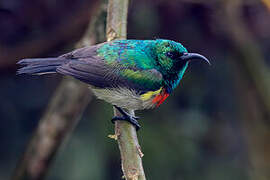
column 125, row 133
column 62, row 115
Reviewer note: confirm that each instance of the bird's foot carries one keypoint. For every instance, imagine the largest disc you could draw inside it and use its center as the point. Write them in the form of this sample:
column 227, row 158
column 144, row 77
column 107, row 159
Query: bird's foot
column 126, row 117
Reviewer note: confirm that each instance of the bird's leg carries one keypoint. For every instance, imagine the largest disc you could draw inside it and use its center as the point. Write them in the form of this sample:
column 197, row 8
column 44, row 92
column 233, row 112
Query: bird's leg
column 126, row 117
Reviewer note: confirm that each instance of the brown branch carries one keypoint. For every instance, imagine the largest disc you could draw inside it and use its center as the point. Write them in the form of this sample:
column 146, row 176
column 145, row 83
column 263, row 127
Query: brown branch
column 62, row 115
column 125, row 133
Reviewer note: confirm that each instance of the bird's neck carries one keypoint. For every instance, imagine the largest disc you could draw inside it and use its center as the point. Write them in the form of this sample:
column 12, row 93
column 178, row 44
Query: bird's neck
column 173, row 78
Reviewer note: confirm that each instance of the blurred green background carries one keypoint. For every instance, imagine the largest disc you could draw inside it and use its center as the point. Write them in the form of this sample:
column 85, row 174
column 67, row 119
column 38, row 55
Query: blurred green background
column 215, row 126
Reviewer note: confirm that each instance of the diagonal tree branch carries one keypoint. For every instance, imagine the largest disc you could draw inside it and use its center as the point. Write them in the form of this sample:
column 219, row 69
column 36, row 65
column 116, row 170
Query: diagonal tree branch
column 125, row 133
column 62, row 115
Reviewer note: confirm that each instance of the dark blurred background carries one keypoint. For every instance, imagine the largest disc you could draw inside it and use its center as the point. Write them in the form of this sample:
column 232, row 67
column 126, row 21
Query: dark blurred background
column 215, row 126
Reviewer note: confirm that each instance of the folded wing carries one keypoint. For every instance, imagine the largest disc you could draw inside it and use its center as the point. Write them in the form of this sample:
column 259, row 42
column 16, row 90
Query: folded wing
column 86, row 66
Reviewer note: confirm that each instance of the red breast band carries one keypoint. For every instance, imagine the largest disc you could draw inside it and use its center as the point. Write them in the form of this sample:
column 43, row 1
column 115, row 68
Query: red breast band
column 160, row 98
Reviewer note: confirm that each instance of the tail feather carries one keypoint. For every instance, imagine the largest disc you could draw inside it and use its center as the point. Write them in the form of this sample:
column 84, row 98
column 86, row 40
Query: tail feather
column 40, row 65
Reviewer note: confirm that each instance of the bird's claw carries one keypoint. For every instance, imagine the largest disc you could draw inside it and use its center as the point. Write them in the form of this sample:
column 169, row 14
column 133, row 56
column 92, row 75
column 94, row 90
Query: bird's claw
column 126, row 117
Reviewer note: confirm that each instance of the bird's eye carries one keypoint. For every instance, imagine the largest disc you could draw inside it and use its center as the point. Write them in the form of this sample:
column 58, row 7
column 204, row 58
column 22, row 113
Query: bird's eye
column 174, row 55
column 169, row 54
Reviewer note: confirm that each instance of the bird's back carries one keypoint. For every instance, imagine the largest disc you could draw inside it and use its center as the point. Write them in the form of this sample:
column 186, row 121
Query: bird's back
column 131, row 53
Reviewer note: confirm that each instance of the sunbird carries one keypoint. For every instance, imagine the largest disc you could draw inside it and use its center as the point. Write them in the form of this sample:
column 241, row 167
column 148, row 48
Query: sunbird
column 129, row 74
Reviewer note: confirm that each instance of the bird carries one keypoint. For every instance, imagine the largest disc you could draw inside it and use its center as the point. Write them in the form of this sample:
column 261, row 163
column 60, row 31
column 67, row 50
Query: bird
column 129, row 74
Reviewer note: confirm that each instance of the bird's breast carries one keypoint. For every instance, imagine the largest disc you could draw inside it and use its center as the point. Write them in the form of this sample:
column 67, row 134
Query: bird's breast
column 130, row 99
column 122, row 97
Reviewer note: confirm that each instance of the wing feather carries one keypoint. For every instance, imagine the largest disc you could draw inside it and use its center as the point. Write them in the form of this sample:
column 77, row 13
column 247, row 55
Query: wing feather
column 90, row 68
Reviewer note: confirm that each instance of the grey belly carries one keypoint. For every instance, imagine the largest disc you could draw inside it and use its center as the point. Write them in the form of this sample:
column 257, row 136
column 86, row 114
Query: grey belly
column 123, row 97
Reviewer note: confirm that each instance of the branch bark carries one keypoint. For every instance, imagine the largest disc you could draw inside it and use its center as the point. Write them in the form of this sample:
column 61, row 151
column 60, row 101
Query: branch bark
column 60, row 118
column 125, row 133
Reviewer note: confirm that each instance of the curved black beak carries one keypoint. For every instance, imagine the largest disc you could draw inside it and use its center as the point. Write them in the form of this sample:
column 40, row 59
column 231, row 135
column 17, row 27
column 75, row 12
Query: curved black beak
column 194, row 56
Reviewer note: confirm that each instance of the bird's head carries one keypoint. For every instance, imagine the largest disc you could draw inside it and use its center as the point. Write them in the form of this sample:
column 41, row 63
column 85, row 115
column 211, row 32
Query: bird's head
column 172, row 58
